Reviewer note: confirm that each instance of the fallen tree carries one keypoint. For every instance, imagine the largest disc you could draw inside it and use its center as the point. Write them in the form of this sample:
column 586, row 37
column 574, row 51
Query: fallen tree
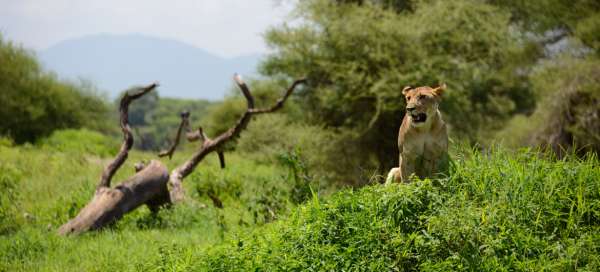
column 152, row 185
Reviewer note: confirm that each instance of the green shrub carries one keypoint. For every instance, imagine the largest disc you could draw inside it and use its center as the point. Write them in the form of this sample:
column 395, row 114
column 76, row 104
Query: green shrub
column 5, row 141
column 271, row 138
column 35, row 102
column 81, row 141
column 567, row 116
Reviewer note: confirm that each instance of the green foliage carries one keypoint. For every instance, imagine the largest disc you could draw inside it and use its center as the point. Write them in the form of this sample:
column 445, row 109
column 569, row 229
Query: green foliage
column 5, row 141
column 10, row 178
column 276, row 138
column 298, row 174
column 358, row 58
column 496, row 211
column 568, row 113
column 35, row 103
column 155, row 119
column 588, row 31
column 222, row 116
column 82, row 141
column 543, row 15
column 142, row 112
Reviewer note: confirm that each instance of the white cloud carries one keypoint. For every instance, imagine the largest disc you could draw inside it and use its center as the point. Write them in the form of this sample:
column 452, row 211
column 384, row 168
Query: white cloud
column 225, row 27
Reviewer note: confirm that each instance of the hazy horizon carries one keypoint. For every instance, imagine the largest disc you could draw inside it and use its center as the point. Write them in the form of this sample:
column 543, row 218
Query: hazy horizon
column 114, row 63
column 227, row 28
column 182, row 44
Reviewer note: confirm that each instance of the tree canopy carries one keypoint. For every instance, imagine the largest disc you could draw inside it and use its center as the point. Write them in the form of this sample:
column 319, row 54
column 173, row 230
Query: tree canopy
column 35, row 102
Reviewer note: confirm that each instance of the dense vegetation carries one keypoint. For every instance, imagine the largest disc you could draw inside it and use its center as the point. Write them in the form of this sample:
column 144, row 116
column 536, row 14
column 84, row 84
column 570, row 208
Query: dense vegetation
column 35, row 102
column 499, row 211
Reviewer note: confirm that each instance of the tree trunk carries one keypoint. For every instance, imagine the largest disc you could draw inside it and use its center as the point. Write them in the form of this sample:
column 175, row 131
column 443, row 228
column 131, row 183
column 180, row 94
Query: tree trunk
column 148, row 186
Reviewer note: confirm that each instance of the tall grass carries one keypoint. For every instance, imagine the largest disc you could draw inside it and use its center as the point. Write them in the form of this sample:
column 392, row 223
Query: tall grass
column 499, row 210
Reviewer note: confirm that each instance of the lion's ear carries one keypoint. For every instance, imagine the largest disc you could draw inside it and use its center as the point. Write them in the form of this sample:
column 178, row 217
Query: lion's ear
column 439, row 90
column 405, row 90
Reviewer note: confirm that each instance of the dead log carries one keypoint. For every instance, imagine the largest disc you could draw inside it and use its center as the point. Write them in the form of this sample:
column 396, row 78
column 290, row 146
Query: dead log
column 152, row 185
column 147, row 186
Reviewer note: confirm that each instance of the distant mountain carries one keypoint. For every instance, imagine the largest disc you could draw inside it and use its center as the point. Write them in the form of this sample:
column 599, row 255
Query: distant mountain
column 116, row 62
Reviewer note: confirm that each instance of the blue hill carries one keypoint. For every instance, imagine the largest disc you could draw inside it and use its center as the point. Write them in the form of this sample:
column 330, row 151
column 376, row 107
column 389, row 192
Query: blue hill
column 115, row 62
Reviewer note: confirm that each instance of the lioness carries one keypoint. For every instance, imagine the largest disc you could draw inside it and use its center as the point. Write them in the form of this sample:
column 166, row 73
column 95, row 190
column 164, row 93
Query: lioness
column 423, row 139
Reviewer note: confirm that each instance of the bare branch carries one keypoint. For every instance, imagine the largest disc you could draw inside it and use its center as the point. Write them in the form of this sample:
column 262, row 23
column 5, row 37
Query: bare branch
column 128, row 97
column 185, row 123
column 249, row 98
column 281, row 101
column 221, row 159
column 216, row 144
column 196, row 135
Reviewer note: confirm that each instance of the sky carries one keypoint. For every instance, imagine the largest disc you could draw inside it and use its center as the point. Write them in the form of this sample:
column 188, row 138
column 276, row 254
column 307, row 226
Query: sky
column 227, row 28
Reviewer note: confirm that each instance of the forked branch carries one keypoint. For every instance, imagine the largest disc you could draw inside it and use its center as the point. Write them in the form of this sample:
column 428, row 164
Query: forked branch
column 185, row 123
column 216, row 144
column 199, row 134
column 127, row 98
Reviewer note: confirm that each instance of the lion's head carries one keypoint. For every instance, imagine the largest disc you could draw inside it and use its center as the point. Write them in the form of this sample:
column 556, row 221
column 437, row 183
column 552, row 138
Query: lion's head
column 422, row 102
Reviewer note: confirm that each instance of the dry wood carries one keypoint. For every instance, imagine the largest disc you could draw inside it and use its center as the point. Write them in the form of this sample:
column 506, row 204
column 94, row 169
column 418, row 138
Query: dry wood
column 149, row 185
column 216, row 144
column 185, row 123
column 112, row 168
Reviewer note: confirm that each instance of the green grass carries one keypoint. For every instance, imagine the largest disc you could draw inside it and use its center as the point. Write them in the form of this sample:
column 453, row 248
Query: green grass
column 44, row 186
column 497, row 210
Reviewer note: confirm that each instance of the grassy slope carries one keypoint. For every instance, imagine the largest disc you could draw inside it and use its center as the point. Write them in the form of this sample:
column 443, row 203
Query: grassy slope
column 500, row 211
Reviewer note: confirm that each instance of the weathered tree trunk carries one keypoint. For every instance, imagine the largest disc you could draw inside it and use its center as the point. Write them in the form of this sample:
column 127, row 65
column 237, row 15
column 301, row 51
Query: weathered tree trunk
column 149, row 186
column 152, row 185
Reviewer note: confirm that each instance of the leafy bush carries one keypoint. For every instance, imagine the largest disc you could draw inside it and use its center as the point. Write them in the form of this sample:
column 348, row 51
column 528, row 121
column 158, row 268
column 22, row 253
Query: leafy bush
column 496, row 211
column 567, row 116
column 5, row 141
column 35, row 103
column 82, row 141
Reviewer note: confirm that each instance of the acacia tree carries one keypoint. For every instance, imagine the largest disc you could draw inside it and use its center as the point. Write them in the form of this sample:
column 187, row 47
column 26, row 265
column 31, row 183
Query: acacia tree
column 358, row 56
column 153, row 185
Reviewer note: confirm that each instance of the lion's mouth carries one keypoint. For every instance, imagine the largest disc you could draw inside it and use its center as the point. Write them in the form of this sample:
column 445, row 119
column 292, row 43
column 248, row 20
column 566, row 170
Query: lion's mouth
column 419, row 117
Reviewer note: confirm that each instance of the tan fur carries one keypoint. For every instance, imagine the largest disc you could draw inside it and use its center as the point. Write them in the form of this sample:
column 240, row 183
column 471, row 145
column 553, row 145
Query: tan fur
column 423, row 144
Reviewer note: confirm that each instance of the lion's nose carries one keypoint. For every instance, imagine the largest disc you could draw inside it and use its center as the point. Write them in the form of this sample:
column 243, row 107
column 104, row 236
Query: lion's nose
column 410, row 108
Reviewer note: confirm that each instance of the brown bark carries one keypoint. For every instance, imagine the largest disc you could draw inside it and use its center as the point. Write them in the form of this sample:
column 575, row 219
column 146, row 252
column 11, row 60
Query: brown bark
column 216, row 144
column 147, row 186
column 185, row 123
